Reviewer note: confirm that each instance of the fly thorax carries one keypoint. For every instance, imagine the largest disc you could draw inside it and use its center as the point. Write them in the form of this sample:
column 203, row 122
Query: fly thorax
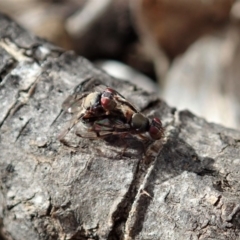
column 140, row 122
column 92, row 100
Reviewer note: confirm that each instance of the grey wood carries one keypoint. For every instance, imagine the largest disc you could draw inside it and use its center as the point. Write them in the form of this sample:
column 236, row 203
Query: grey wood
column 92, row 189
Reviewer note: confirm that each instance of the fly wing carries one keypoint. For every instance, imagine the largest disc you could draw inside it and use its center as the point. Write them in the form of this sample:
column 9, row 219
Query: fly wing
column 99, row 88
column 102, row 128
column 75, row 119
column 73, row 103
column 123, row 102
column 112, row 124
column 88, row 85
column 93, row 130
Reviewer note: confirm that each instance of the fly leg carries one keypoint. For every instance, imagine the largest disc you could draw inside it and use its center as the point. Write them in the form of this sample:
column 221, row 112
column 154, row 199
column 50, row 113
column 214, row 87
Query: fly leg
column 68, row 129
column 122, row 137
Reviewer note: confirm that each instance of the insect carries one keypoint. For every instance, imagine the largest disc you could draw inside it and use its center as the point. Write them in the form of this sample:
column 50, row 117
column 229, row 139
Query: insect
column 108, row 126
column 102, row 101
column 105, row 112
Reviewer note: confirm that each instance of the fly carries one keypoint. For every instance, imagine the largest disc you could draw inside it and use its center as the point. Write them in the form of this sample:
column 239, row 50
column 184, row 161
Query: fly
column 105, row 112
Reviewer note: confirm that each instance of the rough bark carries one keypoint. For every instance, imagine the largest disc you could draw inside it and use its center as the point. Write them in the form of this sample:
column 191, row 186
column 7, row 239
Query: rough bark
column 93, row 191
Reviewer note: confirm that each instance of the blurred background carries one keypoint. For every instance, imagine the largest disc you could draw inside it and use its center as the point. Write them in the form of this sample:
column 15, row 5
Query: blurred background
column 188, row 52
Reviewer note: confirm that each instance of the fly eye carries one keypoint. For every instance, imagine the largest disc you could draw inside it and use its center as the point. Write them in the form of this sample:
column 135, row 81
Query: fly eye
column 108, row 103
column 139, row 121
column 156, row 129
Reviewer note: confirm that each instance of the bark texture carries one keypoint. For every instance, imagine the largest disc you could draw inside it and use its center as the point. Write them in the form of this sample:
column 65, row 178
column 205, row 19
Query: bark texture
column 92, row 190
